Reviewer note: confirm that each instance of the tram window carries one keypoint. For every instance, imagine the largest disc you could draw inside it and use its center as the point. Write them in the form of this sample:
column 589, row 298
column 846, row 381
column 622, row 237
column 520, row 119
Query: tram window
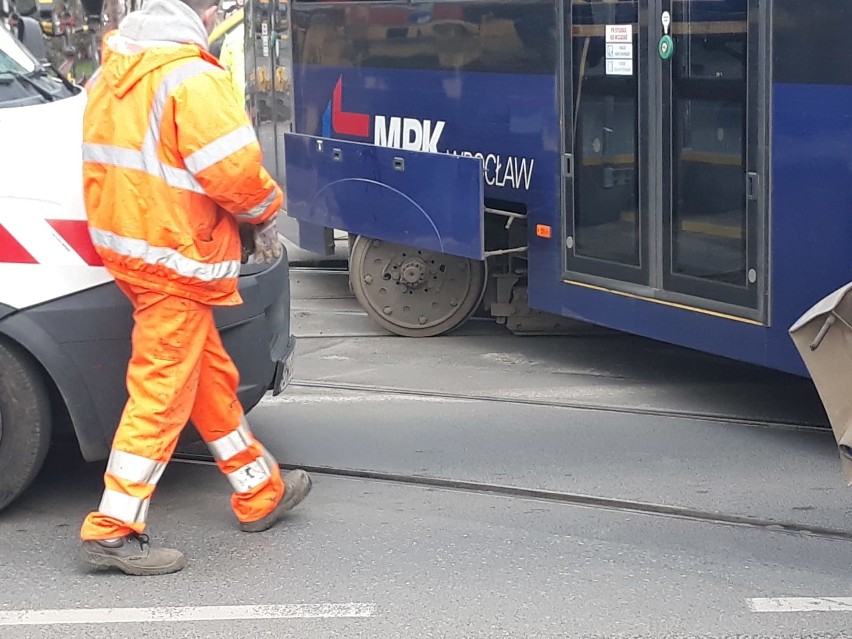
column 712, row 57
column 709, row 208
column 606, row 180
column 606, row 184
column 709, row 222
column 710, row 43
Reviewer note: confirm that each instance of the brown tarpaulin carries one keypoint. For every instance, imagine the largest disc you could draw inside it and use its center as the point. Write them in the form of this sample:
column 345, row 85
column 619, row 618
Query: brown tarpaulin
column 823, row 336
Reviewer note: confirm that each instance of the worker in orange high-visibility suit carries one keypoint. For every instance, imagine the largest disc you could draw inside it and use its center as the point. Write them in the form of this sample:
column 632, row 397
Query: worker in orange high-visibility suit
column 172, row 167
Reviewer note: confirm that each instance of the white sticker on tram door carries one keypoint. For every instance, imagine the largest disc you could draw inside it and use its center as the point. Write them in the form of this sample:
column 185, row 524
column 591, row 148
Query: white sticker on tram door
column 619, row 67
column 619, row 34
column 619, row 51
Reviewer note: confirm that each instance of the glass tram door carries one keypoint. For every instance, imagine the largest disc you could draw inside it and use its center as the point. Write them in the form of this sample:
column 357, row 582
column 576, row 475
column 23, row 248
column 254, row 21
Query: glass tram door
column 663, row 180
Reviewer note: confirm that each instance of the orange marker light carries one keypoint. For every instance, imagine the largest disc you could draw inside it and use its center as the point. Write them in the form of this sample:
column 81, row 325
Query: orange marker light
column 543, row 230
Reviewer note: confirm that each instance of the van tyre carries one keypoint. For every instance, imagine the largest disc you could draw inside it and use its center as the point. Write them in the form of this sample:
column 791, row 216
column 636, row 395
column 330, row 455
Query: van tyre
column 25, row 422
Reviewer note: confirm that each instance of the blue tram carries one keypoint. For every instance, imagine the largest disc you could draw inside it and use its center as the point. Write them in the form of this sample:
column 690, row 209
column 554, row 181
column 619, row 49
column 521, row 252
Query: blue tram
column 677, row 169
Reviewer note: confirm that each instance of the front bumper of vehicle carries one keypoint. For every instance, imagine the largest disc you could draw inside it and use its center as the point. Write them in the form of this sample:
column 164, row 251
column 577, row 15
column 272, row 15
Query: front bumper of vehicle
column 83, row 343
column 283, row 373
column 257, row 333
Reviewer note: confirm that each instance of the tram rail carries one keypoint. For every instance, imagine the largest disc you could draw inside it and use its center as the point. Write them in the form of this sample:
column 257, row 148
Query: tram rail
column 570, row 499
column 556, row 403
column 711, row 517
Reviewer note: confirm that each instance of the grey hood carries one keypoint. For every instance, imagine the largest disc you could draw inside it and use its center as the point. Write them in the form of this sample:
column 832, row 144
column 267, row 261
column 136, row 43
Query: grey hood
column 164, row 21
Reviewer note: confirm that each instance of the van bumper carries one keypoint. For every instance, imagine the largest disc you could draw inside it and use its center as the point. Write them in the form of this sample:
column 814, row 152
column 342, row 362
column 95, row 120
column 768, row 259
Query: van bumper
column 257, row 333
column 82, row 341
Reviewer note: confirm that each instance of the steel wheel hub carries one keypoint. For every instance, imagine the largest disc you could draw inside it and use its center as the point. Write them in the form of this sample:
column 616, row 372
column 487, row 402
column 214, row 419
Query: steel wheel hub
column 413, row 273
column 411, row 291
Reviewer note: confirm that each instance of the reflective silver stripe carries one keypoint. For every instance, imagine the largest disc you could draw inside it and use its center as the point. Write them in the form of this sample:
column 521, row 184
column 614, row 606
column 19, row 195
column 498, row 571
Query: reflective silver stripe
column 135, row 160
column 215, row 152
column 250, row 476
column 180, row 178
column 168, row 84
column 135, row 468
column 157, row 255
column 115, row 155
column 260, row 209
column 147, row 159
column 231, row 444
column 124, row 507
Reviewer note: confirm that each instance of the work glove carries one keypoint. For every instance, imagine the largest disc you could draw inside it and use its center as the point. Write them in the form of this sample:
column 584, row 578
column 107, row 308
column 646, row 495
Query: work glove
column 267, row 246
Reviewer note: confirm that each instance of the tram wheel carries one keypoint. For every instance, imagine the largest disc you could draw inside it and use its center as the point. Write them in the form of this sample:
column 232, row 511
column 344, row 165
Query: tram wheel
column 414, row 292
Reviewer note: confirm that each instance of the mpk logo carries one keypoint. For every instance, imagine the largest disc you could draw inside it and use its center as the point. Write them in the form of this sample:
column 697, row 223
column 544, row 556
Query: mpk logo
column 392, row 131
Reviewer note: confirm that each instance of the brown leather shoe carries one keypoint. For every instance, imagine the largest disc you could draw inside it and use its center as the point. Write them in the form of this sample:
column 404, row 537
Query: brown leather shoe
column 297, row 485
column 132, row 555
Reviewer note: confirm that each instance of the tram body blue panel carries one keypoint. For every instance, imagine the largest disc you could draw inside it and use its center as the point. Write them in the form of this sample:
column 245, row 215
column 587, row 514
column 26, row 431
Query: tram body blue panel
column 811, row 200
column 430, row 201
column 516, row 137
column 811, row 191
column 810, row 238
column 312, row 237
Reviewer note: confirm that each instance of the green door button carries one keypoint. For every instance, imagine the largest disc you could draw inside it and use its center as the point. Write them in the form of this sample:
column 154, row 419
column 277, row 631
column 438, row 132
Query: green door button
column 665, row 47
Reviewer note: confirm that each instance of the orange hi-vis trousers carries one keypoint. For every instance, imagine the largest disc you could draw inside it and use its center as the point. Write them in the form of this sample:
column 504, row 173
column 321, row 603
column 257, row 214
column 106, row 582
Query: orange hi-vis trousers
column 178, row 371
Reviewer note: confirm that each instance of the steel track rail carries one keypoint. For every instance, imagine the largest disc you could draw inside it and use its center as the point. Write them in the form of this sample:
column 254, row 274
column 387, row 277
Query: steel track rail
column 320, row 270
column 568, row 498
column 571, row 499
column 553, row 403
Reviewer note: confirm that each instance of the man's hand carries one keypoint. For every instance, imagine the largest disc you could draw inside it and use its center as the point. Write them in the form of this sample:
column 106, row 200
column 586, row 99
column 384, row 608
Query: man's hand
column 268, row 247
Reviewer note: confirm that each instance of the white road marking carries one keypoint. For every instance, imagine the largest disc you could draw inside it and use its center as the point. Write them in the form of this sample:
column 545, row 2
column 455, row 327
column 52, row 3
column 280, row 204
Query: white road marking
column 801, row 604
column 190, row 613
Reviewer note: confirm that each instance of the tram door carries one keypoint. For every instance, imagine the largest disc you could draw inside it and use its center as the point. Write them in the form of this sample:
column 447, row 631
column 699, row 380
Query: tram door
column 664, row 183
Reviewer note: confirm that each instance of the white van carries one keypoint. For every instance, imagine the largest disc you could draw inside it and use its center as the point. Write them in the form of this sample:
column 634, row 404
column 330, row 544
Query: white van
column 64, row 324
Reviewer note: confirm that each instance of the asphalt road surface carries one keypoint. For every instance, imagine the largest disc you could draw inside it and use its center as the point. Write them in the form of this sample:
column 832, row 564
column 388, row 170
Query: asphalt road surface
column 475, row 486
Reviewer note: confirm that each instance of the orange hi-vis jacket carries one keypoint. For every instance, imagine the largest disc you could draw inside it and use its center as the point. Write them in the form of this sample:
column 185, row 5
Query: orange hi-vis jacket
column 171, row 165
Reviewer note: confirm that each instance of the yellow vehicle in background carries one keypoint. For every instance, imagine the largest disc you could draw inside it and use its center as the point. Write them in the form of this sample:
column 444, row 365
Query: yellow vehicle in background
column 254, row 46
column 227, row 42
column 268, row 61
column 227, row 26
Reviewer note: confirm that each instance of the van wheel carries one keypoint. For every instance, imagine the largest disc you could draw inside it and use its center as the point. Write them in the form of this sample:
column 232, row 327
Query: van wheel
column 24, row 423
